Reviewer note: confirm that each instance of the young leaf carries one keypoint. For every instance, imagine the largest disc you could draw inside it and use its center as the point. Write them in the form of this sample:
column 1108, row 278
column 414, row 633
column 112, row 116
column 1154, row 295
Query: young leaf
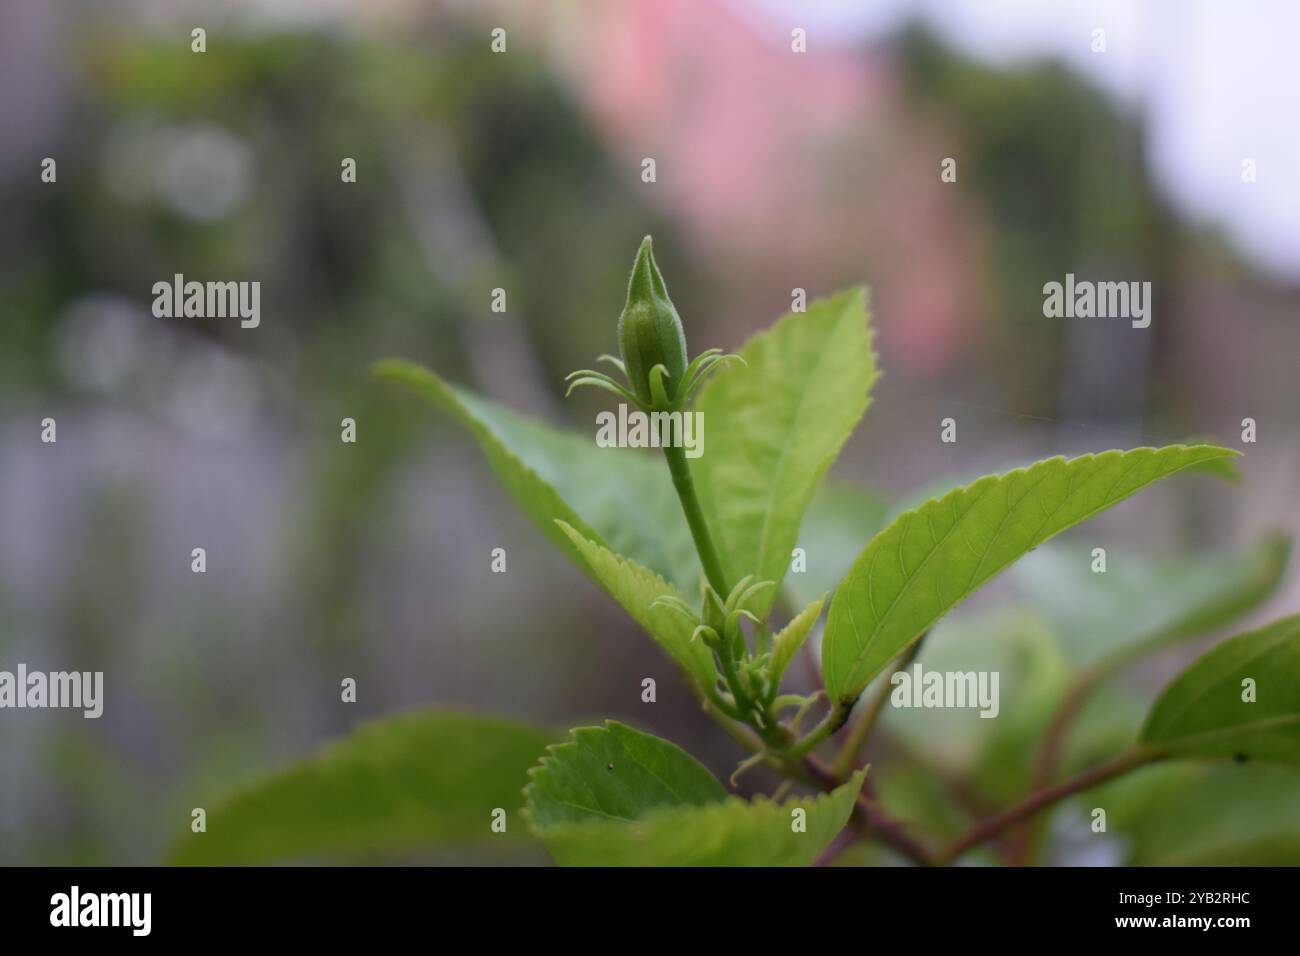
column 613, row 796
column 425, row 780
column 1144, row 605
column 614, row 773
column 619, row 498
column 933, row 557
column 786, row 644
column 637, row 589
column 775, row 424
column 1211, row 711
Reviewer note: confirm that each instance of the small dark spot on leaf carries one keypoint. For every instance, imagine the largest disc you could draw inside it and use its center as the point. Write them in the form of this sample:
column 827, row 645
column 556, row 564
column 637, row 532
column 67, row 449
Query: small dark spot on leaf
column 1240, row 758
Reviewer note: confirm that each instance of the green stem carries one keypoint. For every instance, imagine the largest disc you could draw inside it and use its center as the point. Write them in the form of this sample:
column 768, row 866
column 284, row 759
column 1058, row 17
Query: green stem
column 847, row 758
column 832, row 722
column 681, row 472
column 743, row 703
column 713, row 707
column 715, row 700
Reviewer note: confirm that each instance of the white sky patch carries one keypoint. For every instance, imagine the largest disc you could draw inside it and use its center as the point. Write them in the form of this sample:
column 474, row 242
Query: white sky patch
column 1215, row 83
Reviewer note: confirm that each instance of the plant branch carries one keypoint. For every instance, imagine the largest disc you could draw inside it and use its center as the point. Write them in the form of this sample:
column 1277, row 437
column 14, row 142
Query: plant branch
column 680, row 469
column 841, row 842
column 1054, row 739
column 1076, row 696
column 873, row 819
column 1082, row 687
column 1044, row 798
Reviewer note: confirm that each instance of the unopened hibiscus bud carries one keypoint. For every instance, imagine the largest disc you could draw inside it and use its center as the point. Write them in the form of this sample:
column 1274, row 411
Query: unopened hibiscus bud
column 650, row 331
column 653, row 344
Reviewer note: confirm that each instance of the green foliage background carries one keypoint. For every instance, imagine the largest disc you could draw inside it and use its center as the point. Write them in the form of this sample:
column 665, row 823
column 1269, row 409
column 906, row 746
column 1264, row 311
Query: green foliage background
column 368, row 561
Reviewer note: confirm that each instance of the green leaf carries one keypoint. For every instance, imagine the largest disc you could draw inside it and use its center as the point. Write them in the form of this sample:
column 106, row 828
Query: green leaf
column 614, row 773
column 637, row 588
column 1202, row 713
column 1206, row 814
column 933, row 557
column 1143, row 604
column 733, row 833
column 621, row 498
column 1225, row 468
column 787, row 643
column 658, row 807
column 775, row 424
column 839, row 519
column 425, row 780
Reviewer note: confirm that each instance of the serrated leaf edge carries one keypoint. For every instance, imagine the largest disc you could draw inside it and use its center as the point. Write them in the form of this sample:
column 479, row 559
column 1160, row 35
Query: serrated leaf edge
column 447, row 399
column 986, row 480
column 668, row 589
column 856, row 293
column 547, row 760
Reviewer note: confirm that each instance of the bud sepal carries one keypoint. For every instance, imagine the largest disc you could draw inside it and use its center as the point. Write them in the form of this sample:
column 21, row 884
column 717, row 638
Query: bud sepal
column 657, row 376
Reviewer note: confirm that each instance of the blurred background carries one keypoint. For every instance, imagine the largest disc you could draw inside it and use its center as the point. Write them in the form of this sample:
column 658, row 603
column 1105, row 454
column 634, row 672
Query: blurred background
column 522, row 170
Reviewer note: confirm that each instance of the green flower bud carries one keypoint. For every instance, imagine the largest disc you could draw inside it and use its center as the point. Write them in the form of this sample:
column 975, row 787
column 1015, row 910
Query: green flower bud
column 650, row 331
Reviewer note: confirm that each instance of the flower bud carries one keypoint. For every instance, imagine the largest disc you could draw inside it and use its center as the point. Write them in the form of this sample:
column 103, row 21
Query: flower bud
column 649, row 330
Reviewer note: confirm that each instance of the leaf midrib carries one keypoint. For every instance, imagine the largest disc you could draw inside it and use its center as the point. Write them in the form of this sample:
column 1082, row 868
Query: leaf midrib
column 1212, row 736
column 871, row 570
column 1196, row 697
column 879, row 624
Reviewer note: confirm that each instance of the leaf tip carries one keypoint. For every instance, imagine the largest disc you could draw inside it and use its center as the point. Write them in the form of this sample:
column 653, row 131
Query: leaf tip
column 388, row 367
